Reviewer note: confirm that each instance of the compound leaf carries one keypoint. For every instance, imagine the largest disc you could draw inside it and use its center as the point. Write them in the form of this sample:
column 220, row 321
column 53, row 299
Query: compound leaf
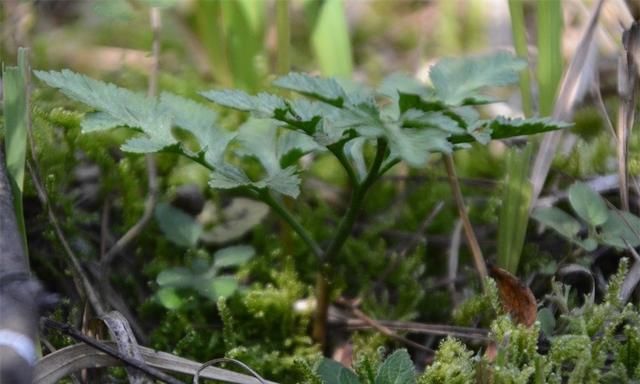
column 261, row 105
column 325, row 89
column 457, row 80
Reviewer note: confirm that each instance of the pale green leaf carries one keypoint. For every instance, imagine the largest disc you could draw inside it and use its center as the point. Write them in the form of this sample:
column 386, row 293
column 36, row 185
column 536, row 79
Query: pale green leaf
column 588, row 204
column 201, row 122
column 396, row 369
column 458, row 80
column 416, row 118
column 222, row 286
column 622, row 229
column 558, row 220
column 332, row 372
column 124, row 107
column 98, row 121
column 325, row 89
column 354, row 149
column 170, row 298
column 177, row 226
column 233, row 256
column 415, row 145
column 261, row 105
column 178, row 277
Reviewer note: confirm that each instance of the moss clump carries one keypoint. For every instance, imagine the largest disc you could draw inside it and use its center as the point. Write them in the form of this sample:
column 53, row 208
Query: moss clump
column 453, row 365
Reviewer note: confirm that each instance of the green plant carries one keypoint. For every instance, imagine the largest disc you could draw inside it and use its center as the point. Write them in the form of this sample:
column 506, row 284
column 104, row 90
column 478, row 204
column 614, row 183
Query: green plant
column 397, row 368
column 203, row 276
column 403, row 121
column 605, row 226
column 593, row 343
column 14, row 134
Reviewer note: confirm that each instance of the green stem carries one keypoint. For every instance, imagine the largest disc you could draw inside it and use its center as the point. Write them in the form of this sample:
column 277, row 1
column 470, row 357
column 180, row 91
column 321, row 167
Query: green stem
column 284, row 213
column 343, row 231
column 336, row 150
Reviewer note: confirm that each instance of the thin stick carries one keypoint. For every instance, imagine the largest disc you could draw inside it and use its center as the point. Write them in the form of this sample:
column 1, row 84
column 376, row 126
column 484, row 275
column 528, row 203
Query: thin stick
column 140, row 365
column 84, row 286
column 381, row 328
column 152, row 172
column 474, row 246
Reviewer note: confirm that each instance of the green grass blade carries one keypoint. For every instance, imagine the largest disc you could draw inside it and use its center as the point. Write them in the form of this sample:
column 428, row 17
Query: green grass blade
column 516, row 191
column 514, row 212
column 550, row 64
column 330, row 37
column 15, row 124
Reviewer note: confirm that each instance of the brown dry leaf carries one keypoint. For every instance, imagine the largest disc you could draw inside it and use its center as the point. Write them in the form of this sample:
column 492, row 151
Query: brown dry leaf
column 516, row 297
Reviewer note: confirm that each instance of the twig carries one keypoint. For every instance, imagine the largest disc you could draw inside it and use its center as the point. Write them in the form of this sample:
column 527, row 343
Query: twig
column 381, row 328
column 454, row 257
column 84, row 286
column 152, row 172
column 431, row 329
column 196, row 377
column 478, row 259
column 141, row 365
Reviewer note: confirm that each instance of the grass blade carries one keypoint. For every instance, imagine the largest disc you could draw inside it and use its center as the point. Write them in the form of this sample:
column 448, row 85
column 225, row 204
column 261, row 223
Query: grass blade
column 574, row 84
column 16, row 108
column 330, row 37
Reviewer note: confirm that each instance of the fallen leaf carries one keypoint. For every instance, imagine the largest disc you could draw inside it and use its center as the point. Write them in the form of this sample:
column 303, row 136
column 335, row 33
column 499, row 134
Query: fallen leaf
column 516, row 297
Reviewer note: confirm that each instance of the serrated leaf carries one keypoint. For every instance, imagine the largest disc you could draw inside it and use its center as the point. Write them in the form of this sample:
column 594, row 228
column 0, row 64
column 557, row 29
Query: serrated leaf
column 332, row 372
column 396, row 369
column 177, row 226
column 621, row 229
column 415, row 145
column 125, row 108
column 420, row 119
column 325, row 89
column 262, row 105
column 293, row 145
column 98, row 121
column 199, row 121
column 588, row 204
column 233, row 256
column 143, row 144
column 285, row 181
column 558, row 220
column 502, row 127
column 458, row 80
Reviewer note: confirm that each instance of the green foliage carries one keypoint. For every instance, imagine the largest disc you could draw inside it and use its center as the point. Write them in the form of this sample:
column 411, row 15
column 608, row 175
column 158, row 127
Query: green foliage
column 203, row 276
column 263, row 330
column 177, row 226
column 581, row 346
column 605, row 226
column 453, row 364
column 397, row 368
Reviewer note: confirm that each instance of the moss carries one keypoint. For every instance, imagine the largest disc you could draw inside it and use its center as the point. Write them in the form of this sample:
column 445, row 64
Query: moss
column 453, row 365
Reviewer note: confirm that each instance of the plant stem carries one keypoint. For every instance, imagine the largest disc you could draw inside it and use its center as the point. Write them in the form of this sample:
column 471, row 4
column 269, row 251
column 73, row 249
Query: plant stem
column 339, row 154
column 284, row 213
column 342, row 233
column 478, row 259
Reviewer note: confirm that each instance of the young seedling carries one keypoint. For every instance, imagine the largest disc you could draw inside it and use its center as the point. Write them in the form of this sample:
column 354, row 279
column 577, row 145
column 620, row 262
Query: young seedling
column 402, row 121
